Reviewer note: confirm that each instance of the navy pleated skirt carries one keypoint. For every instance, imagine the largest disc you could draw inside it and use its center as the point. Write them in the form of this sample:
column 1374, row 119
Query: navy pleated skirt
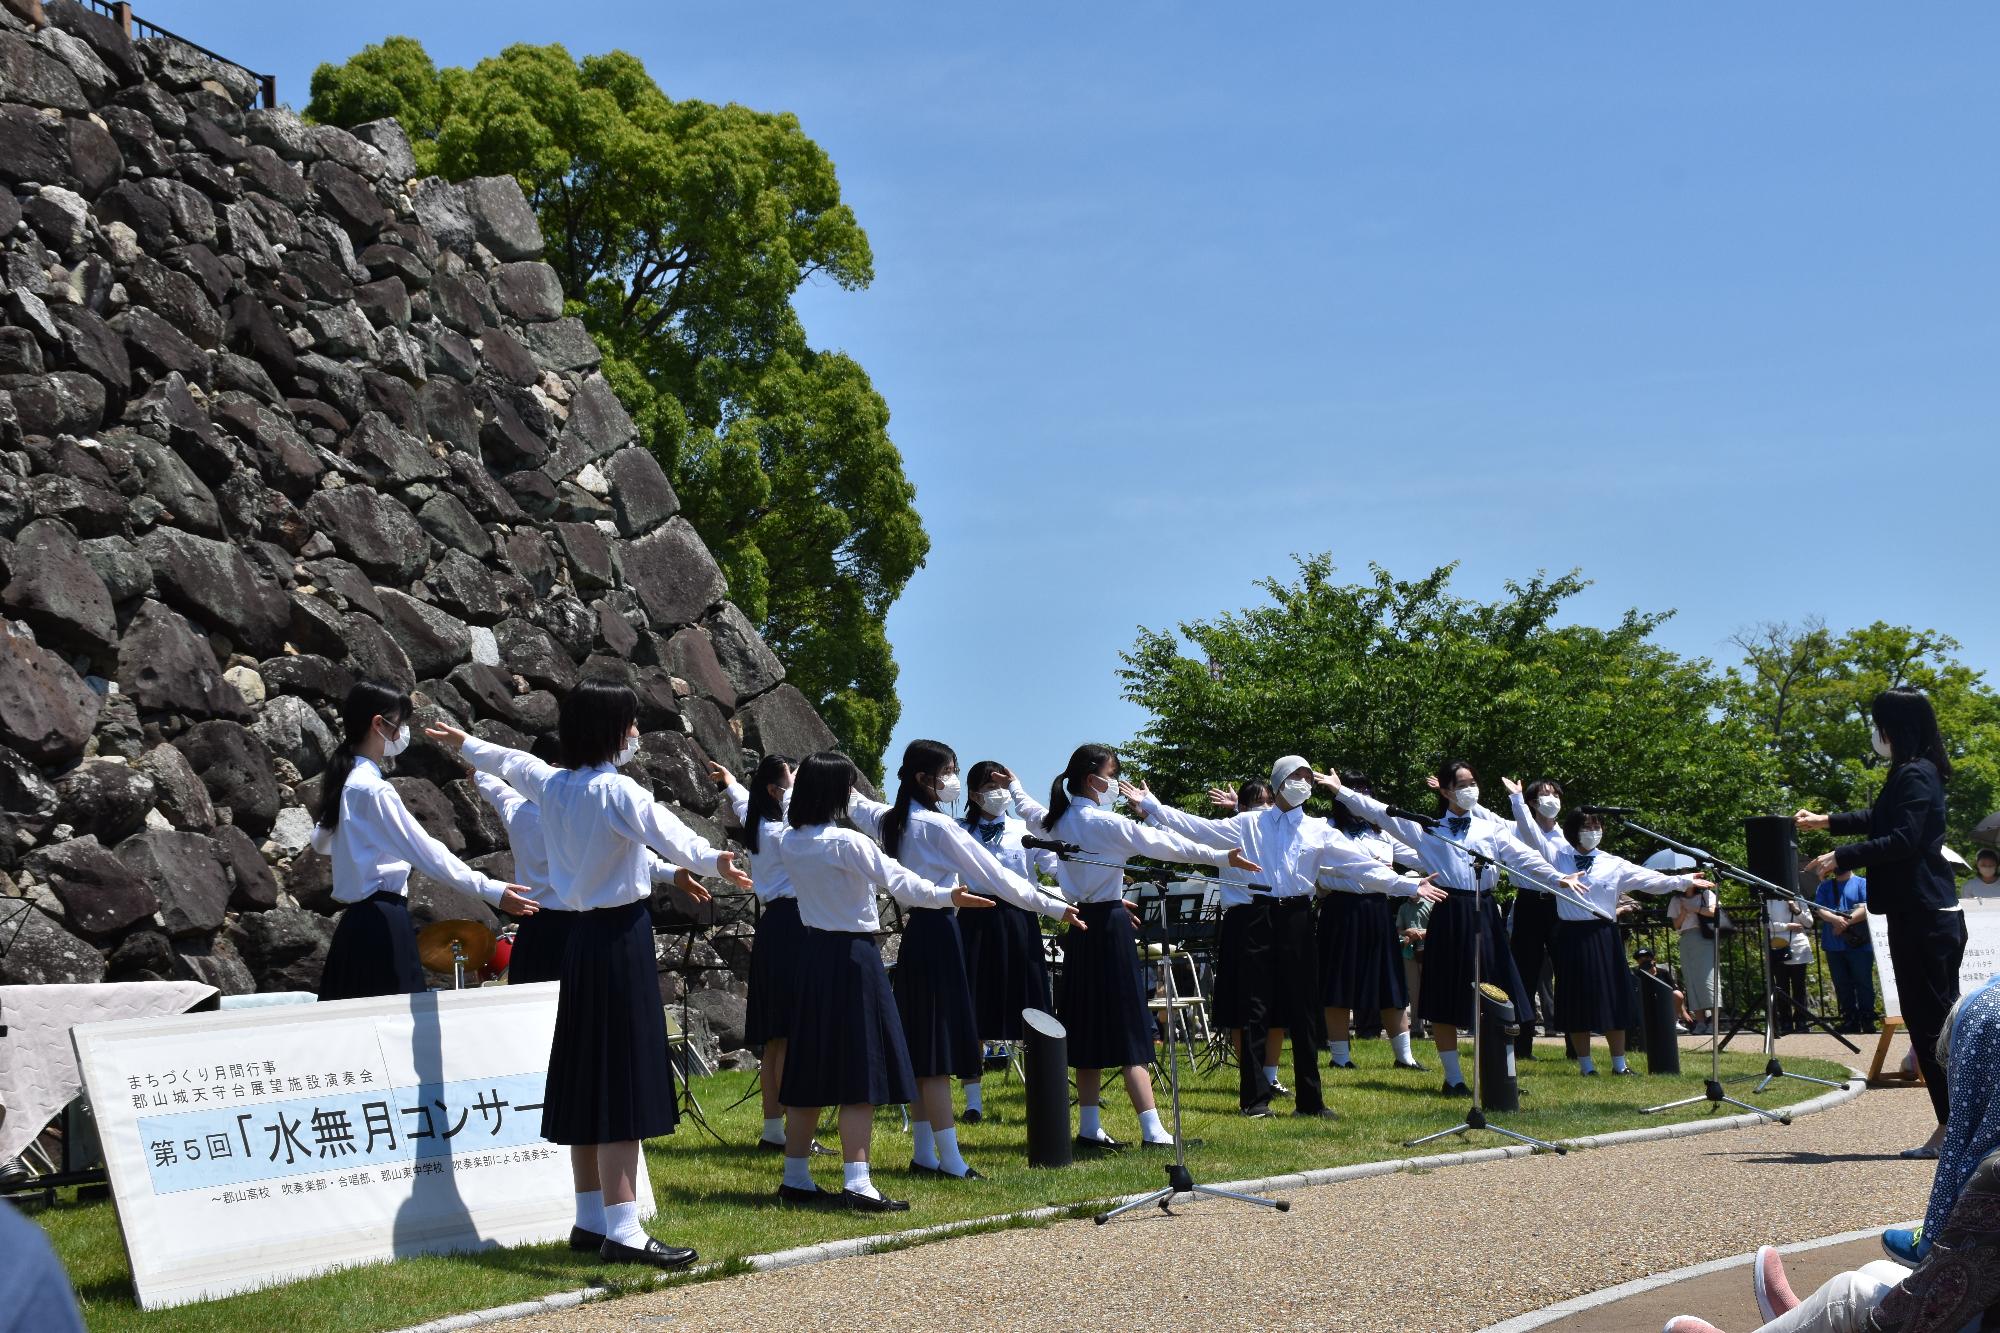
column 775, row 951
column 1004, row 963
column 1360, row 966
column 1102, row 998
column 1454, row 932
column 610, row 1076
column 934, row 997
column 1243, row 964
column 846, row 1046
column 539, row 943
column 373, row 951
column 1593, row 985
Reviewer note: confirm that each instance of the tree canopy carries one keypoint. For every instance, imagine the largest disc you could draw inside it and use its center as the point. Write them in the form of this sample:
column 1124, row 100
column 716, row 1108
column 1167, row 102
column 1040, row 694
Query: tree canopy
column 681, row 230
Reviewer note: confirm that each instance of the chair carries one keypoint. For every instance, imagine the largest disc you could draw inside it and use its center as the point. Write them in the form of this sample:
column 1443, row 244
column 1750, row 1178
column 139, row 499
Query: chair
column 1190, row 1008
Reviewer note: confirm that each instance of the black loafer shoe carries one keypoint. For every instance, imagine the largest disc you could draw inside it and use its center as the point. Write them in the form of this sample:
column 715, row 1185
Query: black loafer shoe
column 1339, row 1064
column 1261, row 1111
column 1626, row 1072
column 1457, row 1090
column 970, row 1174
column 1589, row 1073
column 585, row 1242
column 1324, row 1113
column 1413, row 1064
column 866, row 1203
column 1280, row 1090
column 918, row 1170
column 812, row 1198
column 765, row 1145
column 1168, row 1146
column 655, row 1254
column 1106, row 1144
column 973, row 1115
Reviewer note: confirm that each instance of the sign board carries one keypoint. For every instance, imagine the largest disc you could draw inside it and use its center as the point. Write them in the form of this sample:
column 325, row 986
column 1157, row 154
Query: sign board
column 1982, row 951
column 257, row 1146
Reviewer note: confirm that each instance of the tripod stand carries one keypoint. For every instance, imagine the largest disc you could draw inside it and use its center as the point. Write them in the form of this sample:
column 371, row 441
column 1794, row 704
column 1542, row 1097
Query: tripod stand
column 689, row 1103
column 1179, row 1179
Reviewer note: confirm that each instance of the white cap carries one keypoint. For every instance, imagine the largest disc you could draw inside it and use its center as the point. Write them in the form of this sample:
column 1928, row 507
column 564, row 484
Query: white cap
column 1285, row 767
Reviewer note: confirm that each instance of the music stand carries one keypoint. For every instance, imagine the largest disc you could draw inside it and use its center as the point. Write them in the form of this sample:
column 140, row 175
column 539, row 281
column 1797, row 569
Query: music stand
column 10, row 934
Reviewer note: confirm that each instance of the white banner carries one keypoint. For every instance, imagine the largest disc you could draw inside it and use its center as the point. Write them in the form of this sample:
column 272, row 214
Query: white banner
column 1982, row 951
column 257, row 1146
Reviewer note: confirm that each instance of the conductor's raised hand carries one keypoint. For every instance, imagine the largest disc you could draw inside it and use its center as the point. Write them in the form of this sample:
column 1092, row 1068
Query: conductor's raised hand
column 514, row 901
column 685, row 881
column 1242, row 862
column 725, row 866
column 1822, row 865
column 719, row 775
column 1222, row 798
column 964, row 897
column 1809, row 822
column 446, row 735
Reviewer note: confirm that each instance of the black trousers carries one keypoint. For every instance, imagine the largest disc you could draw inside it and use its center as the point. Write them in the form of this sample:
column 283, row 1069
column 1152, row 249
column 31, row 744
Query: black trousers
column 1294, row 1004
column 1788, row 993
column 1926, row 947
column 1532, row 942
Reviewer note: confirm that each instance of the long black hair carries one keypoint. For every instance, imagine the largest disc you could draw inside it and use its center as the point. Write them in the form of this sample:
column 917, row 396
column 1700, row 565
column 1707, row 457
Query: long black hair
column 1447, row 776
column 366, row 701
column 976, row 778
column 1083, row 764
column 770, row 772
column 595, row 719
column 822, row 789
column 1909, row 723
column 918, row 757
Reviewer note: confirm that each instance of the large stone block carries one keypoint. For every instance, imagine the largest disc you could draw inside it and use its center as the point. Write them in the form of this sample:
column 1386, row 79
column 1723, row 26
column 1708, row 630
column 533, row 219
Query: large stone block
column 46, row 711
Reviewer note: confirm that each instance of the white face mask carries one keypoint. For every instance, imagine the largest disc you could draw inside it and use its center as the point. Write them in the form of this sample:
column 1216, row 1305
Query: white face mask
column 1465, row 798
column 949, row 789
column 626, row 753
column 993, row 800
column 1548, row 807
column 1881, row 744
column 1108, row 798
column 1295, row 792
column 1587, row 839
column 392, row 748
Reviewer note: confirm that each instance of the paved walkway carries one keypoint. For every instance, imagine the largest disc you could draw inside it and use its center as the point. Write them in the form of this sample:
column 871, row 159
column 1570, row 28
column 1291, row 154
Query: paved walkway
column 1723, row 1299
column 1454, row 1250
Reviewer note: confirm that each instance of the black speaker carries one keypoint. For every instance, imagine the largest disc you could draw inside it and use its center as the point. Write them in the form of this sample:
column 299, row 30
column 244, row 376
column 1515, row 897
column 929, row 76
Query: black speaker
column 1771, row 847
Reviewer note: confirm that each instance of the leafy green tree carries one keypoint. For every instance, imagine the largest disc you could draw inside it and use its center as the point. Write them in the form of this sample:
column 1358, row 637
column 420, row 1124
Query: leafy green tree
column 1390, row 676
column 681, row 230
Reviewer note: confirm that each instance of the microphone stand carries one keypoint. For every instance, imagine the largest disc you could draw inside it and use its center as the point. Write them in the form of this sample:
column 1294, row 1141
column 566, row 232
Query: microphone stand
column 1179, row 1180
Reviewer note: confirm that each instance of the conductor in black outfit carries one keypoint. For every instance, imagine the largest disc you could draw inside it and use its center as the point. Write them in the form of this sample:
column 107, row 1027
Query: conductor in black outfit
column 1909, row 881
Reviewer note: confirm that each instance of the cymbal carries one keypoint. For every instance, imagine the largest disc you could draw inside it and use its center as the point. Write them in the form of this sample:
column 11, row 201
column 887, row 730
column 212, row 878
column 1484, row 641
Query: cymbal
column 435, row 940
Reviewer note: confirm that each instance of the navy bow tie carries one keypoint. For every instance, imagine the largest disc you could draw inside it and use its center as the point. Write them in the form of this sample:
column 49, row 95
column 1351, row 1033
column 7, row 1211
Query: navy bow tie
column 990, row 832
column 1583, row 860
column 1458, row 824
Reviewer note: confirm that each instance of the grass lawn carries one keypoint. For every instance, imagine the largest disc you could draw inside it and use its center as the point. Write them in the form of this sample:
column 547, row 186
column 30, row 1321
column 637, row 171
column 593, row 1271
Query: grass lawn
column 720, row 1198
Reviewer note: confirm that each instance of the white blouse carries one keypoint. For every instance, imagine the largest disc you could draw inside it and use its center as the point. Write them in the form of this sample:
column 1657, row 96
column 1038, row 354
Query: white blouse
column 1293, row 847
column 1109, row 837
column 769, row 879
column 1007, row 848
column 522, row 819
column 1606, row 878
column 597, row 825
column 835, row 873
column 1549, row 842
column 378, row 843
column 1483, row 834
column 1379, row 847
column 936, row 848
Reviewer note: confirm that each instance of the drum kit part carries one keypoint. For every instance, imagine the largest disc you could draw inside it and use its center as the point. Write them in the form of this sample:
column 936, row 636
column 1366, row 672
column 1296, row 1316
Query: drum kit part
column 455, row 947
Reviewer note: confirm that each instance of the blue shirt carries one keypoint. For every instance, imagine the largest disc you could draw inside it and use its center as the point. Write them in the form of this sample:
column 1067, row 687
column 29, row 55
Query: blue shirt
column 1843, row 898
column 32, row 1281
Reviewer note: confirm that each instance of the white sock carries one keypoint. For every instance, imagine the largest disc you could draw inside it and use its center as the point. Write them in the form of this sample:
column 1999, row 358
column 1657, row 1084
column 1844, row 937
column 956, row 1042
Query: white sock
column 854, row 1175
column 774, row 1129
column 1087, row 1123
column 975, row 1098
column 1342, row 1051
column 1150, row 1128
column 1400, row 1044
column 1586, row 1064
column 1449, row 1059
column 798, row 1173
column 947, row 1152
column 621, row 1225
column 590, row 1210
column 1270, row 1073
column 923, row 1143
column 1618, row 1063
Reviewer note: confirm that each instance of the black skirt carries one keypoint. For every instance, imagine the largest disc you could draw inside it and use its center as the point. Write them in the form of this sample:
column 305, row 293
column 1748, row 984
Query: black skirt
column 610, row 1076
column 539, row 944
column 1004, row 963
column 934, row 998
column 1454, row 932
column 1243, row 965
column 373, row 952
column 1593, row 985
column 1360, row 966
column 774, row 969
column 1102, row 998
column 846, row 1046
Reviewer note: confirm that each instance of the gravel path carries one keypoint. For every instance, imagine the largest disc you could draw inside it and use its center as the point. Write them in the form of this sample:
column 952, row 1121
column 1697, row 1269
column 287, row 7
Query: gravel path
column 1523, row 1234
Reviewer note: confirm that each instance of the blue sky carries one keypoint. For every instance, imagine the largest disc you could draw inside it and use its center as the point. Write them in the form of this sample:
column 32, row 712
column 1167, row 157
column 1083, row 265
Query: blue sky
column 1702, row 300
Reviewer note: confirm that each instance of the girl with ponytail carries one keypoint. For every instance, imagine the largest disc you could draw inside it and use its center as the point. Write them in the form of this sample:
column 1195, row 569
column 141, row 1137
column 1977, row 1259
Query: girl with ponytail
column 1100, row 1000
column 933, row 994
column 373, row 842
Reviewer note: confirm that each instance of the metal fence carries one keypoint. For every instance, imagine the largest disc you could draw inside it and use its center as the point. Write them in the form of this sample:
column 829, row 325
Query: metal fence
column 139, row 29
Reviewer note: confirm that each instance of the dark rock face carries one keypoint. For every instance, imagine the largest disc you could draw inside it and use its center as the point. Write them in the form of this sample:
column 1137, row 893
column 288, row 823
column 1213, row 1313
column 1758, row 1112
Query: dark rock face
column 275, row 417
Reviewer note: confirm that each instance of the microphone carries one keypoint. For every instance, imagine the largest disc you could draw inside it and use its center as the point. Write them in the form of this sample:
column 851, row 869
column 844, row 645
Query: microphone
column 1606, row 810
column 1428, row 821
column 1056, row 845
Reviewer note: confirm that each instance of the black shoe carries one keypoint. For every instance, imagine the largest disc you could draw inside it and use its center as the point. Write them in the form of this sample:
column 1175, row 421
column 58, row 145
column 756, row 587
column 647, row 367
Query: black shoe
column 1324, row 1113
column 1589, row 1073
column 1168, row 1146
column 585, row 1242
column 818, row 1149
column 1332, row 1063
column 1105, row 1144
column 863, row 1203
column 1279, row 1090
column 812, row 1198
column 1626, row 1072
column 1457, row 1090
column 655, row 1253
column 970, row 1174
column 1412, row 1064
column 1261, row 1111
column 766, row 1145
column 916, row 1169
column 973, row 1115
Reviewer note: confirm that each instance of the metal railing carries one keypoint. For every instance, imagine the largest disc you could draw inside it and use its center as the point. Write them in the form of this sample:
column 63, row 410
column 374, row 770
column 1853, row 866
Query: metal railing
column 138, row 29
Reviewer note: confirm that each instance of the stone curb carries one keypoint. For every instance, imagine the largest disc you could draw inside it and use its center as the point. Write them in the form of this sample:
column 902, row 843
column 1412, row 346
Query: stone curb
column 859, row 1245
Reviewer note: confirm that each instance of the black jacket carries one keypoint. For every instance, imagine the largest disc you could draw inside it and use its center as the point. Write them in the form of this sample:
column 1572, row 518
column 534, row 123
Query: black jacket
column 1906, row 870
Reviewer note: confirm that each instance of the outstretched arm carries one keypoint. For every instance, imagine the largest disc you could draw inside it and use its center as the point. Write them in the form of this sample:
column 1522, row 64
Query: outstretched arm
column 984, row 874
column 517, row 768
column 1207, row 832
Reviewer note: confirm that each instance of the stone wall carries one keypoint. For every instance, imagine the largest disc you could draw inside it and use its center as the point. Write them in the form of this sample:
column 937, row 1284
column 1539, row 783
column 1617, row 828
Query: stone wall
column 274, row 416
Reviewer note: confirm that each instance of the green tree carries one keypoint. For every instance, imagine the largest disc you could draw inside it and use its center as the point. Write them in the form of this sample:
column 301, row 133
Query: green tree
column 681, row 231
column 1390, row 676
